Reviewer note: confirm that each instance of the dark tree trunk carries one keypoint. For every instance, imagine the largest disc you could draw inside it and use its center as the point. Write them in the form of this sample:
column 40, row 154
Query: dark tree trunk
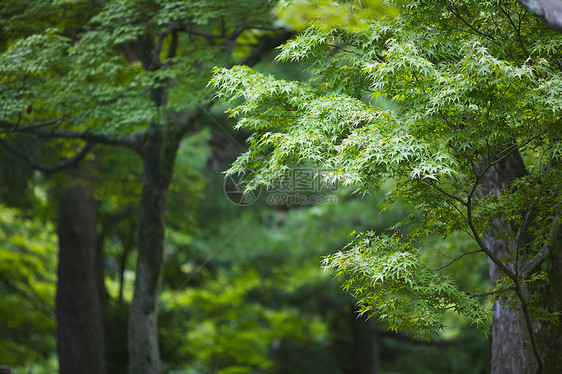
column 550, row 336
column 158, row 153
column 80, row 337
column 508, row 332
column 100, row 273
column 364, row 353
column 158, row 156
column 108, row 227
column 507, row 354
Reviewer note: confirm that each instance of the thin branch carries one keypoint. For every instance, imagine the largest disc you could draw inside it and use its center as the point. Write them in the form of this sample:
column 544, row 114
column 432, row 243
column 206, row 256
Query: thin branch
column 266, row 45
column 456, row 259
column 508, row 151
column 110, row 223
column 444, row 192
column 466, row 23
column 476, row 236
column 186, row 120
column 15, row 127
column 117, row 97
column 204, row 34
column 517, row 29
column 173, row 45
column 342, row 49
column 409, row 339
column 262, row 28
column 509, row 289
column 456, row 208
column 523, row 295
column 499, row 99
column 172, row 28
column 223, row 34
column 542, row 255
column 223, row 26
column 34, row 300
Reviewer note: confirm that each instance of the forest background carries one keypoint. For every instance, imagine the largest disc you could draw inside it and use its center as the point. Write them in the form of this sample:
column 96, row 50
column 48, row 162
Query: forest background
column 124, row 247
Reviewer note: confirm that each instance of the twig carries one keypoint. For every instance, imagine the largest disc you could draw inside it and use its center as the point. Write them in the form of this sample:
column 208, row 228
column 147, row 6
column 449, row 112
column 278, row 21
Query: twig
column 456, row 259
column 509, row 289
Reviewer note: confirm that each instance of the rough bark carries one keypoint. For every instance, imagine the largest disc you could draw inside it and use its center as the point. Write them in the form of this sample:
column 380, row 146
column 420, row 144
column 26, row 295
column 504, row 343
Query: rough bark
column 158, row 156
column 80, row 337
column 507, row 354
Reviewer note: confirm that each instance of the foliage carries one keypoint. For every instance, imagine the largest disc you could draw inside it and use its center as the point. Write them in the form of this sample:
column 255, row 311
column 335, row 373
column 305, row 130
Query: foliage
column 227, row 330
column 27, row 286
column 262, row 261
column 389, row 279
column 260, row 303
column 353, row 15
column 466, row 97
column 131, row 74
column 89, row 73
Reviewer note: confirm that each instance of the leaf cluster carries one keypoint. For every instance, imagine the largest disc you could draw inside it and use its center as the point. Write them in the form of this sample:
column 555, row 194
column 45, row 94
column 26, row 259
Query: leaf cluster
column 471, row 85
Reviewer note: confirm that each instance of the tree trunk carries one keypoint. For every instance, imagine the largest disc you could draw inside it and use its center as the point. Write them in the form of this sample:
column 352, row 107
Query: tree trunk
column 158, row 156
column 80, row 337
column 549, row 335
column 507, row 354
column 364, row 350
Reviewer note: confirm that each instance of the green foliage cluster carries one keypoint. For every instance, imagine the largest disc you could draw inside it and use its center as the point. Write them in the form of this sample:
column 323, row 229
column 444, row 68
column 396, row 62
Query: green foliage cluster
column 472, row 83
column 88, row 73
column 389, row 280
column 27, row 284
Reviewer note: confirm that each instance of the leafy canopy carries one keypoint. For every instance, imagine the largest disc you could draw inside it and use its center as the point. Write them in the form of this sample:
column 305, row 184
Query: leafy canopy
column 102, row 69
column 469, row 84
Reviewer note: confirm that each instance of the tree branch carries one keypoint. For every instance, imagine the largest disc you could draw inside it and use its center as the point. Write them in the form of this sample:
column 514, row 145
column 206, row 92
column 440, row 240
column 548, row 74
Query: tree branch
column 456, row 259
column 468, row 24
column 526, row 330
column 110, row 223
column 266, row 45
column 508, row 151
column 533, row 265
column 204, row 34
column 173, row 45
column 476, row 236
column 517, row 29
column 15, row 126
column 49, row 169
column 510, row 289
column 131, row 141
column 442, row 191
column 223, row 34
column 34, row 300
